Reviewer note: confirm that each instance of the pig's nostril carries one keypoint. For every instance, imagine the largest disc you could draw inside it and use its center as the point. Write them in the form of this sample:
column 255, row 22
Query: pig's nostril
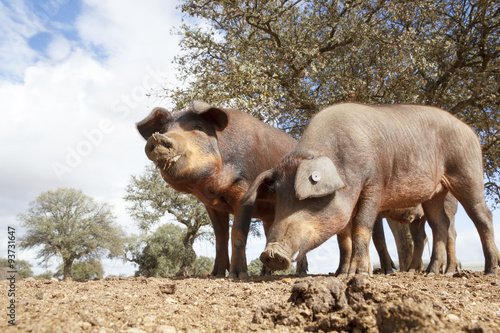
column 150, row 148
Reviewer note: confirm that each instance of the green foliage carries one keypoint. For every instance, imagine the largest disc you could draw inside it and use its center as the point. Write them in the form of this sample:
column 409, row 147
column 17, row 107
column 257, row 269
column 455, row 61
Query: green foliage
column 285, row 60
column 23, row 267
column 203, row 265
column 67, row 223
column 89, row 269
column 159, row 254
column 255, row 268
column 46, row 275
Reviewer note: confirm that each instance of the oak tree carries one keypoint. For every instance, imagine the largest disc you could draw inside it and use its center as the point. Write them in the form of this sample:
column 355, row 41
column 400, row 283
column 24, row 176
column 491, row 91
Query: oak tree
column 67, row 223
column 283, row 60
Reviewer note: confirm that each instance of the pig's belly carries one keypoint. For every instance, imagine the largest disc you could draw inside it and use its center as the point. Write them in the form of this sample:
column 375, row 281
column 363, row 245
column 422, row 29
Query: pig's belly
column 409, row 192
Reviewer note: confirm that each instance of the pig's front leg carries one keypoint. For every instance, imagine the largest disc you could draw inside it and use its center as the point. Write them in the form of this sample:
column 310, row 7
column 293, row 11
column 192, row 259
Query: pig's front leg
column 239, row 234
column 220, row 222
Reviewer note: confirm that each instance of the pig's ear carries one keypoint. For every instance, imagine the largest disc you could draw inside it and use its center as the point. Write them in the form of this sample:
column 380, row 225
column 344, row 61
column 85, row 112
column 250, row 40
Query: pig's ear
column 260, row 188
column 316, row 178
column 153, row 123
column 214, row 115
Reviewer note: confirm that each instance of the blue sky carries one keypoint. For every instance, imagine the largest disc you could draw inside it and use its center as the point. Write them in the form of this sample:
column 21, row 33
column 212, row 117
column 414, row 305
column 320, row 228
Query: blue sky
column 74, row 76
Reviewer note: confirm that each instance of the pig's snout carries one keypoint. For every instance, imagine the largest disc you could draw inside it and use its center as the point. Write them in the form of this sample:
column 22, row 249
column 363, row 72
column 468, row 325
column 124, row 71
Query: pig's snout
column 275, row 257
column 160, row 141
column 163, row 151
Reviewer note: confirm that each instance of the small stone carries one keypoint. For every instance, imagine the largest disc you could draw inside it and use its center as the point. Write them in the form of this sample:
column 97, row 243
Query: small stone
column 170, row 300
column 453, row 318
column 165, row 329
column 85, row 325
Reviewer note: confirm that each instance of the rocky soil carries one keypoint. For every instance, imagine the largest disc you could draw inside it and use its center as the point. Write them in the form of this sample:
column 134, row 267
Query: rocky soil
column 400, row 302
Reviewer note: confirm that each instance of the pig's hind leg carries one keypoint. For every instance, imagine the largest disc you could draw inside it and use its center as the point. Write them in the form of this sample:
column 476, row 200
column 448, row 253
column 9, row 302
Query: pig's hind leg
column 417, row 230
column 439, row 223
column 386, row 264
column 476, row 208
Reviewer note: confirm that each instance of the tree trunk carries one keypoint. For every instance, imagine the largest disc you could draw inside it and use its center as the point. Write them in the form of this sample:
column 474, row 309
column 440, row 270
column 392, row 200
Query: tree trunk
column 68, row 263
column 404, row 243
column 189, row 256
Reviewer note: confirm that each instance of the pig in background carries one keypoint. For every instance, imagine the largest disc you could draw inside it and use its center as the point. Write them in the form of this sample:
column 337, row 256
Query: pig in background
column 355, row 161
column 414, row 219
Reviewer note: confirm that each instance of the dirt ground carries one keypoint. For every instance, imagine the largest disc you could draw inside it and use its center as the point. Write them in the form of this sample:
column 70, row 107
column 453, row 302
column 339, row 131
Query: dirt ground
column 400, row 302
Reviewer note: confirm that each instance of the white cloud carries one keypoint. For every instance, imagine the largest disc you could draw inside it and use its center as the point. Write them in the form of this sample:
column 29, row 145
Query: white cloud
column 59, row 49
column 60, row 99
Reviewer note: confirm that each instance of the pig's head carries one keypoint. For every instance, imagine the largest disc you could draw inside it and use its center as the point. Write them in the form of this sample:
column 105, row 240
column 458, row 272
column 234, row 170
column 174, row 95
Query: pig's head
column 183, row 145
column 307, row 210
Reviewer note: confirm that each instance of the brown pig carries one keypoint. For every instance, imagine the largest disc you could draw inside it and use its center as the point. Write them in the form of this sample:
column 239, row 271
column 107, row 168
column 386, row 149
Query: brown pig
column 354, row 161
column 215, row 154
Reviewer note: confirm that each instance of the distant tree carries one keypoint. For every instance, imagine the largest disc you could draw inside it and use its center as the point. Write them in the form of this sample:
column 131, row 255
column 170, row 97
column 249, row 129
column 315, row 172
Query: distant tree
column 159, row 254
column 255, row 268
column 152, row 198
column 285, row 60
column 67, row 223
column 23, row 267
column 87, row 269
column 203, row 265
column 45, row 275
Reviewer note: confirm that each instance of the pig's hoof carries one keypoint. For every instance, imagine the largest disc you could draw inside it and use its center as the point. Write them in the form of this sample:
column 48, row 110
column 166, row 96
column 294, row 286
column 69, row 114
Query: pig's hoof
column 241, row 275
column 491, row 273
column 301, row 274
column 219, row 273
column 274, row 260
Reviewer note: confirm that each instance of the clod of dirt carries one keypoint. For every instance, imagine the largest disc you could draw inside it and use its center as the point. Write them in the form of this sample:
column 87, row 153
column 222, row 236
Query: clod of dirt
column 321, row 296
column 332, row 304
column 409, row 316
column 167, row 289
